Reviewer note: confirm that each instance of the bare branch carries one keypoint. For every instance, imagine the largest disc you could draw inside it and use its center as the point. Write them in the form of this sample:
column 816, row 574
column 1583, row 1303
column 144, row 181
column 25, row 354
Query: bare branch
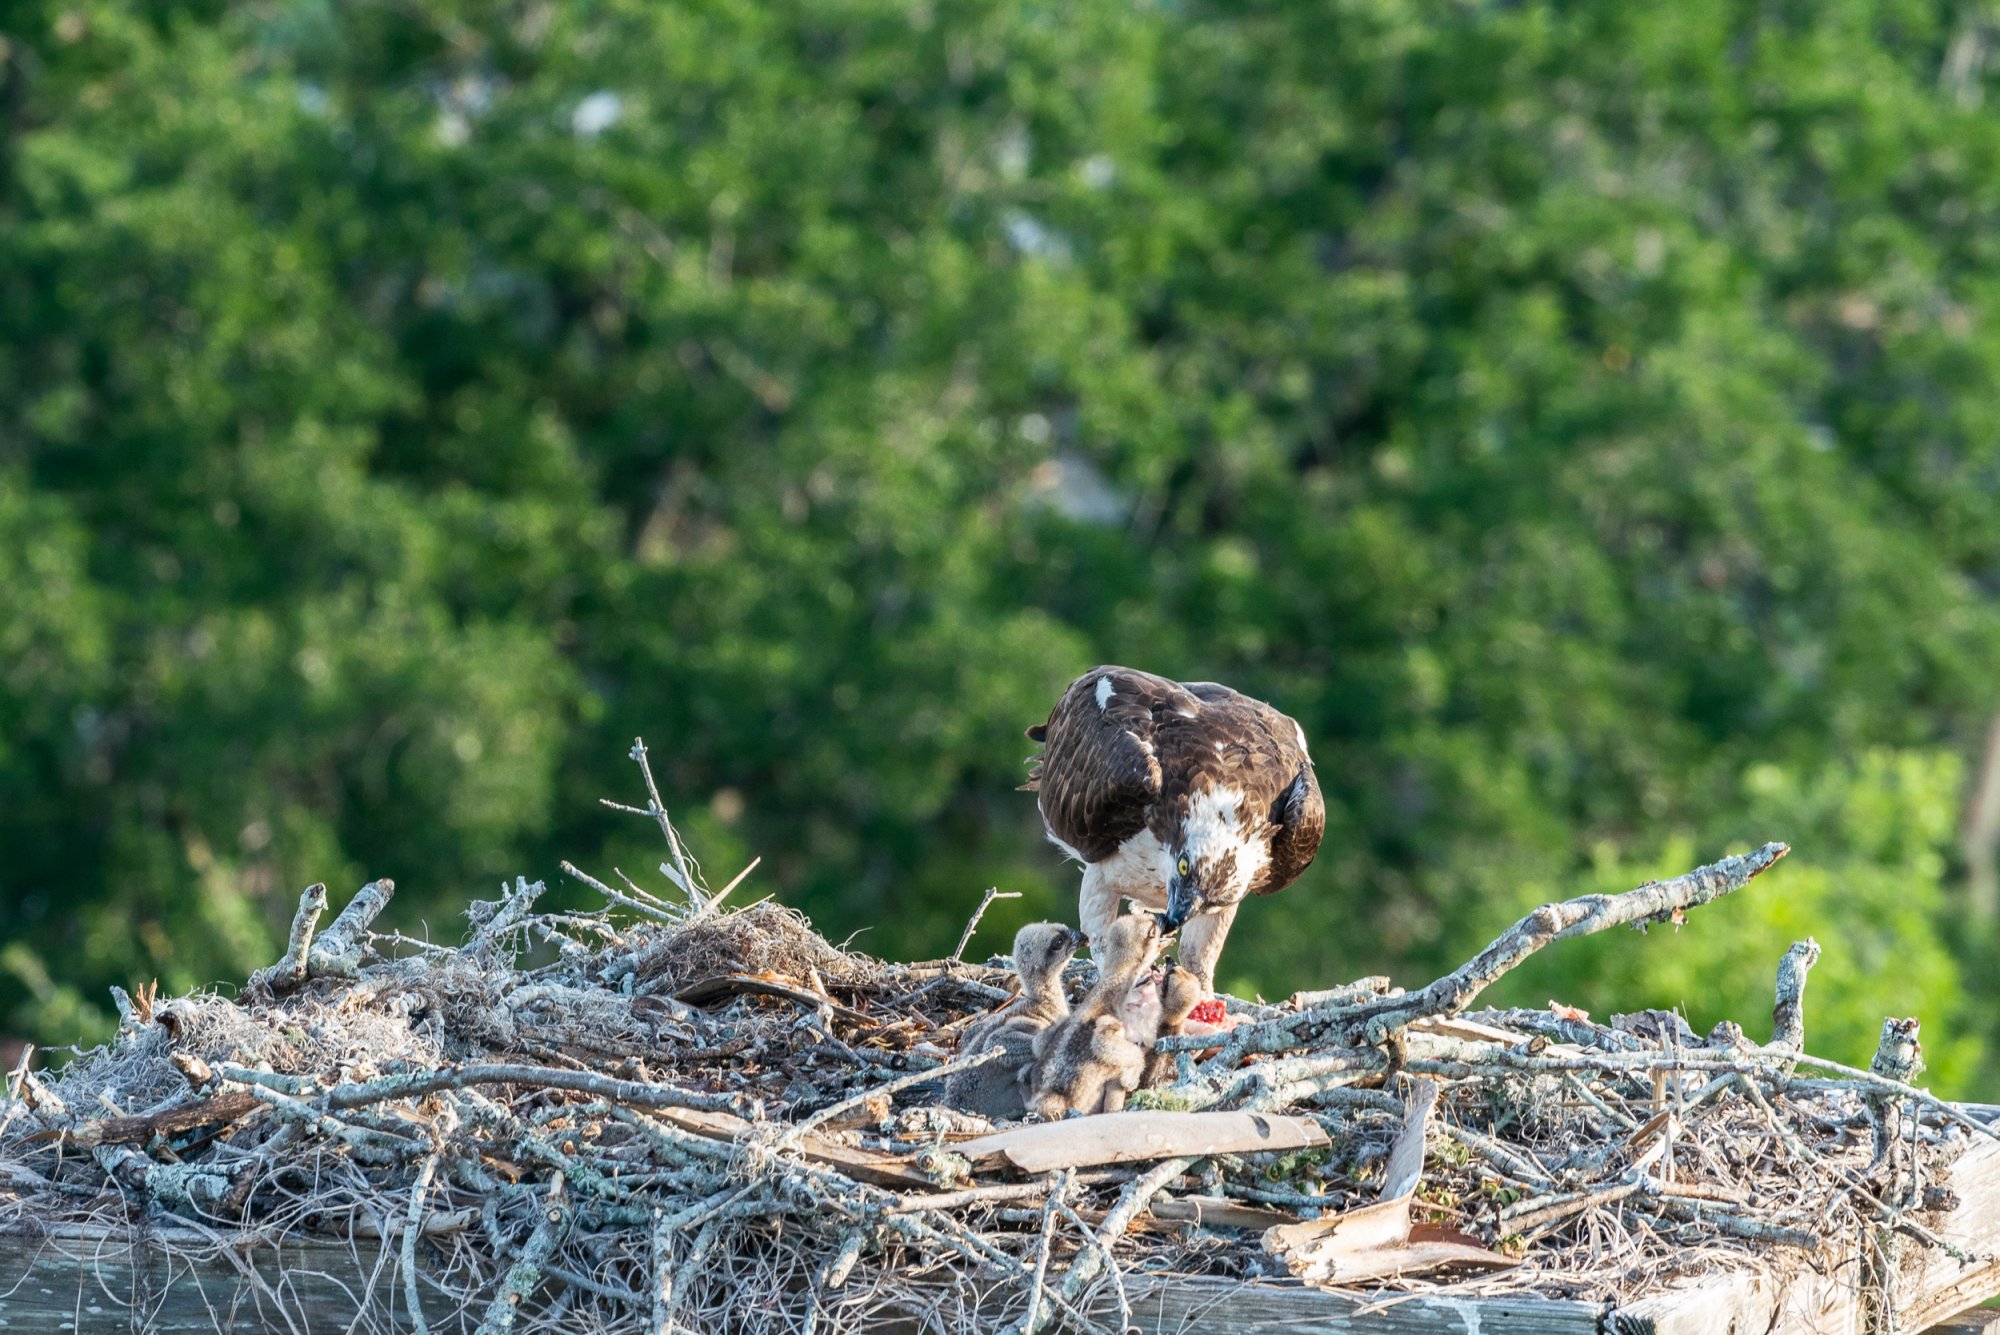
column 684, row 875
column 290, row 971
column 1788, row 1015
column 965, row 939
column 637, row 1093
column 1658, row 901
column 338, row 952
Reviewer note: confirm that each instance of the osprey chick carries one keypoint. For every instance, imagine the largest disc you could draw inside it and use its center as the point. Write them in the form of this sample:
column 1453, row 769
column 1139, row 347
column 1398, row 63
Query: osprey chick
column 1089, row 1061
column 994, row 1090
column 1183, row 797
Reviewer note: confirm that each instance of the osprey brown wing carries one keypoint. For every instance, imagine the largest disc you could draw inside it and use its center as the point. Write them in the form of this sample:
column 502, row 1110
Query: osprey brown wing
column 1099, row 773
column 1298, row 819
column 1273, row 749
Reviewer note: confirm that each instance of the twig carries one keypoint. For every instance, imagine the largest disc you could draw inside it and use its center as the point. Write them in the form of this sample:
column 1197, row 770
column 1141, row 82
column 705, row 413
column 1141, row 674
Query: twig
column 902, row 1082
column 17, row 1086
column 1898, row 1057
column 637, row 1093
column 362, row 1143
column 619, row 896
column 1272, row 1084
column 948, row 1232
column 841, row 1264
column 992, row 893
column 951, row 1200
column 525, row 1276
column 506, row 916
column 1659, row 901
column 177, row 1117
column 418, row 1190
column 1856, row 1076
column 1058, row 1192
column 1098, row 1245
column 128, row 1014
column 1361, row 989
column 734, row 881
column 1131, row 1201
column 658, row 810
column 1527, row 1215
column 1507, row 1162
column 1583, row 1091
column 1729, row 1221
column 42, row 1102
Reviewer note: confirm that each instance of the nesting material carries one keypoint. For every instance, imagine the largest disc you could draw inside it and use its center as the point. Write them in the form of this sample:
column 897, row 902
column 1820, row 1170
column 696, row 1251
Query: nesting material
column 765, row 938
column 664, row 1115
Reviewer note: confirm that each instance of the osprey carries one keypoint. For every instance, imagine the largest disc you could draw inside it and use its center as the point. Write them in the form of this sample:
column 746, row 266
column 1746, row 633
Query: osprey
column 1183, row 797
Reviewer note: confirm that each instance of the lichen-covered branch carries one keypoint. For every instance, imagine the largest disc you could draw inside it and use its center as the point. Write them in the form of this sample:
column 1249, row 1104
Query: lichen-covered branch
column 1658, row 901
column 525, row 1276
column 338, row 951
column 1788, row 1013
column 290, row 971
column 637, row 1093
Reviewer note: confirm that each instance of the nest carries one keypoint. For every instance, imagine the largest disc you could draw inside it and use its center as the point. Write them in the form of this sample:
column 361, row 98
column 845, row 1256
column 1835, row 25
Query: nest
column 666, row 1115
column 764, row 938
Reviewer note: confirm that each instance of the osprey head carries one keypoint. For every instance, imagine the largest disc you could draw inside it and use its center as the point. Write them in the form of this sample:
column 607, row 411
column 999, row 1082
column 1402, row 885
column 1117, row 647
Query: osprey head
column 1218, row 855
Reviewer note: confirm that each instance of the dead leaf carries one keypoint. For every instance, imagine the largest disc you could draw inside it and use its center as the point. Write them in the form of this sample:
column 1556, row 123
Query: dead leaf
column 1380, row 1241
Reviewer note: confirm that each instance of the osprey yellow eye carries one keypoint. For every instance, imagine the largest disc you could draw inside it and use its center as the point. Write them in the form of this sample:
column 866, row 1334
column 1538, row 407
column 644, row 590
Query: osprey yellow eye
column 1183, row 868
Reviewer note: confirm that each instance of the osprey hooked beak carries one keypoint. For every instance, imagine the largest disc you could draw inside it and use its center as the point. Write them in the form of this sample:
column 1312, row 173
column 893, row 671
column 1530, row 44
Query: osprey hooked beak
column 1182, row 898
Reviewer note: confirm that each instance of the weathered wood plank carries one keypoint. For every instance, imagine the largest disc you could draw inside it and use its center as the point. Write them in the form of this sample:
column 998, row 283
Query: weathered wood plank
column 1832, row 1298
column 1191, row 1306
column 105, row 1287
column 1133, row 1137
column 1934, row 1285
column 96, row 1286
column 1725, row 1304
column 99, row 1286
column 1979, row 1321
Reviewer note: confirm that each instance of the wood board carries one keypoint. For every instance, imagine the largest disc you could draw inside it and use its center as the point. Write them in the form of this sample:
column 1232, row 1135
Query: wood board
column 1133, row 1137
column 92, row 1286
column 1832, row 1298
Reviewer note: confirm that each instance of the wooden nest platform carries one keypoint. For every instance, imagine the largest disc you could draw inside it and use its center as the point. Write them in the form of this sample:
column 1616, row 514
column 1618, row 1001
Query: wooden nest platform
column 666, row 1115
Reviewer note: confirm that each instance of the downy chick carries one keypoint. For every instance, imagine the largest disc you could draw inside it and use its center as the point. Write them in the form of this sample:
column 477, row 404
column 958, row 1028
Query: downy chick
column 993, row 1090
column 1087, row 1063
column 1180, row 993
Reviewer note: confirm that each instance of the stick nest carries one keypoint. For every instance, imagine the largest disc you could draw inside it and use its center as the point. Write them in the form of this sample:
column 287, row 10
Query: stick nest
column 663, row 1115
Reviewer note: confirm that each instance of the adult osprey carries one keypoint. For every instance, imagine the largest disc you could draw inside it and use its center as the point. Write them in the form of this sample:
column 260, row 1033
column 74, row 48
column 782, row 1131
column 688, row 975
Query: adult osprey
column 1180, row 796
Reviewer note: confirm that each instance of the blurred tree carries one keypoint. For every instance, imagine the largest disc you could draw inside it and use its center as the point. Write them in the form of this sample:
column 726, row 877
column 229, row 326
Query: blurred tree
column 1579, row 418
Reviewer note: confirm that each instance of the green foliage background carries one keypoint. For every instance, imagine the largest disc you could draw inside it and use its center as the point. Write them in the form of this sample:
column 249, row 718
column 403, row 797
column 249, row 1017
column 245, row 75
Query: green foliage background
column 1581, row 417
